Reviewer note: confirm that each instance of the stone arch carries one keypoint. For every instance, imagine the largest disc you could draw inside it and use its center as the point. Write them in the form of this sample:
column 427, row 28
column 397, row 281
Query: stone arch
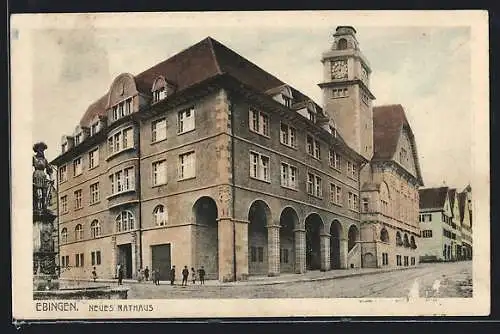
column 336, row 233
column 259, row 218
column 314, row 228
column 406, row 241
column 399, row 240
column 289, row 222
column 206, row 235
column 413, row 244
column 384, row 235
column 352, row 237
column 342, row 44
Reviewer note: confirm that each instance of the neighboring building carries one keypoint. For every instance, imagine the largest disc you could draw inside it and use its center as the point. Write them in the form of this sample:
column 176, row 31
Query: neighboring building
column 389, row 183
column 445, row 222
column 465, row 206
column 207, row 160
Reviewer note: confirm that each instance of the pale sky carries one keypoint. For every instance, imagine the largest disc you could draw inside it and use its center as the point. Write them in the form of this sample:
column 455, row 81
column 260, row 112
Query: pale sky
column 426, row 69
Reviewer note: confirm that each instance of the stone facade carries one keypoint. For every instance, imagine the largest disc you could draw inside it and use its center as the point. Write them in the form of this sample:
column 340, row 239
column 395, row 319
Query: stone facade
column 389, row 182
column 193, row 196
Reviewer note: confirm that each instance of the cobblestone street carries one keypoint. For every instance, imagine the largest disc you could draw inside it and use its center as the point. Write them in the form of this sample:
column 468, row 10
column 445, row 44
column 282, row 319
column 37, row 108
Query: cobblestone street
column 448, row 280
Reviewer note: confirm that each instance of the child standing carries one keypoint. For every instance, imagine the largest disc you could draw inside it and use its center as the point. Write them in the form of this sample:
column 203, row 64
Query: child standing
column 193, row 275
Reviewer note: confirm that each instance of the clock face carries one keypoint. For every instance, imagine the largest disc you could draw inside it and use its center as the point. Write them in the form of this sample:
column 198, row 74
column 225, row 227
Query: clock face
column 339, row 69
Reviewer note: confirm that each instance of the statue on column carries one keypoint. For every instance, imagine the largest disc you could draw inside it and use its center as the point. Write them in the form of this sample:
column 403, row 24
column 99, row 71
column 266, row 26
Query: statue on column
column 42, row 178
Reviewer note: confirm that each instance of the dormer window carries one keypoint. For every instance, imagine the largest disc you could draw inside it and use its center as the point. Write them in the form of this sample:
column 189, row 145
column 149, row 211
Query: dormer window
column 159, row 89
column 94, row 128
column 159, row 94
column 287, row 101
column 78, row 138
column 122, row 109
column 311, row 115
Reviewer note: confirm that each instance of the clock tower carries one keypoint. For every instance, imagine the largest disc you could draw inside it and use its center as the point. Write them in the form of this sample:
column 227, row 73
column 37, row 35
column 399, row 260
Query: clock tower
column 346, row 91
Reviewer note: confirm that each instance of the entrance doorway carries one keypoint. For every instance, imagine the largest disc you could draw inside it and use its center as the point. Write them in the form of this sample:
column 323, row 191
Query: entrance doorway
column 160, row 259
column 258, row 216
column 335, row 235
column 125, row 259
column 314, row 225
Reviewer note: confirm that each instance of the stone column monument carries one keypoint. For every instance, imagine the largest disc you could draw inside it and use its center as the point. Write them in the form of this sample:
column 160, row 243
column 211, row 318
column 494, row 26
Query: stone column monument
column 44, row 261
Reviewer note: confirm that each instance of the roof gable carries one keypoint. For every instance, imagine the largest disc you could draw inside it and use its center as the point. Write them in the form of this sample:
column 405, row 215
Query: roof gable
column 433, row 198
column 389, row 123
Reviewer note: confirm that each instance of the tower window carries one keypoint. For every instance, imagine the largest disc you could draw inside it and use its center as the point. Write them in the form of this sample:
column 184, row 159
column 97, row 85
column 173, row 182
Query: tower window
column 342, row 44
column 339, row 92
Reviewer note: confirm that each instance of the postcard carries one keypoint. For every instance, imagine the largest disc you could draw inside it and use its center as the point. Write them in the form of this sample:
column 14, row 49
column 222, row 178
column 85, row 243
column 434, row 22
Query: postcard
column 250, row 164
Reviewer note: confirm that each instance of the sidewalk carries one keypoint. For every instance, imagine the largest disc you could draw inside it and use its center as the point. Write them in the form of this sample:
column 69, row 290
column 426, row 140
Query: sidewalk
column 309, row 276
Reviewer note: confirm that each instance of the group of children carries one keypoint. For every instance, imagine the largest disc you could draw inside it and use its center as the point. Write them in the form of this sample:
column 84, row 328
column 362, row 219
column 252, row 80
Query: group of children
column 186, row 273
column 143, row 275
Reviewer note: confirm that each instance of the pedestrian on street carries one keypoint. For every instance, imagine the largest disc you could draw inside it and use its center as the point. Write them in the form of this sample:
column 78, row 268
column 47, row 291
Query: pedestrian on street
column 94, row 274
column 139, row 275
column 153, row 275
column 146, row 273
column 157, row 280
column 193, row 275
column 172, row 275
column 202, row 275
column 118, row 266
column 120, row 274
column 185, row 274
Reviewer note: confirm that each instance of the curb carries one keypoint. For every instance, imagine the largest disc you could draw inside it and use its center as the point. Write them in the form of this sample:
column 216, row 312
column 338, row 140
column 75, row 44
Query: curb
column 242, row 283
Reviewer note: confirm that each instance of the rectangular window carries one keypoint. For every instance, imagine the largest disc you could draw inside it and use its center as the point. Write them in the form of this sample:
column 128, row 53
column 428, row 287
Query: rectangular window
column 398, row 260
column 406, row 261
column 288, row 176
column 287, row 101
column 259, row 122
column 314, row 185
column 78, row 139
column 352, row 170
column 253, row 254
column 63, row 174
column 288, row 135
column 187, row 166
column 259, row 166
column 123, row 180
column 185, row 120
column 94, row 193
column 94, row 128
column 64, row 204
column 313, row 147
column 121, row 140
column 335, row 194
column 77, row 166
column 260, row 251
column 158, row 130
column 352, row 201
column 96, row 258
column 427, row 234
column 365, row 204
column 339, row 92
column 79, row 260
column 94, row 158
column 159, row 170
column 334, row 159
column 78, row 199
column 412, row 261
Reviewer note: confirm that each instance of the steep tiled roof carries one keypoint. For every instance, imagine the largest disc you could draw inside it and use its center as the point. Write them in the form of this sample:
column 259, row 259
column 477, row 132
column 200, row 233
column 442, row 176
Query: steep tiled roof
column 432, row 198
column 97, row 108
column 202, row 61
column 388, row 121
column 462, row 202
column 451, row 195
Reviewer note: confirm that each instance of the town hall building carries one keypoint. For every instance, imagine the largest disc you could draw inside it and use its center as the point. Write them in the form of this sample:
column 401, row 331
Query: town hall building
column 205, row 159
